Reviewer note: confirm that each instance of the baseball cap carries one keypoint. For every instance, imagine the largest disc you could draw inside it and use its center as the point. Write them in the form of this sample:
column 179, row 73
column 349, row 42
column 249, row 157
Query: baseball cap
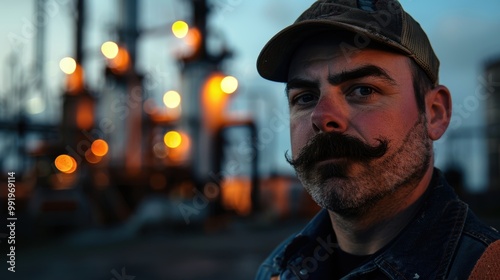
column 379, row 21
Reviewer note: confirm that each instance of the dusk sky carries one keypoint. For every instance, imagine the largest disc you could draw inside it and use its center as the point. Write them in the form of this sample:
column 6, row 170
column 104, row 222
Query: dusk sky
column 463, row 33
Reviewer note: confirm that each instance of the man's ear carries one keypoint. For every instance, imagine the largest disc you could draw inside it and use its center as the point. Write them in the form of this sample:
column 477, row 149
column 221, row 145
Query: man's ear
column 438, row 111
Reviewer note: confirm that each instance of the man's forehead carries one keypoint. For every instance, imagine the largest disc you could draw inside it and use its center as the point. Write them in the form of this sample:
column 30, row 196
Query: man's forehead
column 336, row 49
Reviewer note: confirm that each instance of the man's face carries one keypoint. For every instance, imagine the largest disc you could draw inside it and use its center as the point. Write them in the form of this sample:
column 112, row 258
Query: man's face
column 357, row 135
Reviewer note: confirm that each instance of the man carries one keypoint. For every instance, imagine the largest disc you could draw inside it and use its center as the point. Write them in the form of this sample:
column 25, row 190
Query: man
column 365, row 107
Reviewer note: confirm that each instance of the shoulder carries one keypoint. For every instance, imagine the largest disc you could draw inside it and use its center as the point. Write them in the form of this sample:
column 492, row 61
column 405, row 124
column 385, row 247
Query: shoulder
column 478, row 231
column 488, row 267
column 476, row 237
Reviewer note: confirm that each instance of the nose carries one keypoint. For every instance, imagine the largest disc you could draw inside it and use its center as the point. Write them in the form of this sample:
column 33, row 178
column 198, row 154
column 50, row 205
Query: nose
column 329, row 115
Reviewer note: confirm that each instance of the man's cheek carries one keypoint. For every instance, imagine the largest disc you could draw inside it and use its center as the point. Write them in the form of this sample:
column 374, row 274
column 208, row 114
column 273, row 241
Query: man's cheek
column 298, row 142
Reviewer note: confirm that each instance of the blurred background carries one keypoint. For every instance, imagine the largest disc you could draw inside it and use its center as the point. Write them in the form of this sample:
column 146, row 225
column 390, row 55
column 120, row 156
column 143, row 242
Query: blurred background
column 146, row 146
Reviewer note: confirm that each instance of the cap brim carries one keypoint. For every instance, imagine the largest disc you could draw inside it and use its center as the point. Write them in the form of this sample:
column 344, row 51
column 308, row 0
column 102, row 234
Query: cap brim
column 274, row 59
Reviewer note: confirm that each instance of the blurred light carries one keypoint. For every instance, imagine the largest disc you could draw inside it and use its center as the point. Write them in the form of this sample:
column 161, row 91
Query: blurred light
column 35, row 105
column 91, row 157
column 159, row 150
column 172, row 99
column 214, row 100
column 67, row 65
column 193, row 40
column 172, row 139
column 121, row 62
column 236, row 195
column 75, row 81
column 85, row 114
column 213, row 88
column 99, row 147
column 109, row 49
column 180, row 29
column 217, row 88
column 180, row 153
column 229, row 84
column 65, row 164
column 73, row 167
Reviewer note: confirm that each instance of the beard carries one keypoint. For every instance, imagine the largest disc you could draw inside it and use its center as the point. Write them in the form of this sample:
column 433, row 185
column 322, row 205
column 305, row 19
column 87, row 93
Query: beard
column 362, row 175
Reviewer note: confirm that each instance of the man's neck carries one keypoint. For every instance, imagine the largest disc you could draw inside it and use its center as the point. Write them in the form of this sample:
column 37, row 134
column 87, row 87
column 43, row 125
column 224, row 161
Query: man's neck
column 368, row 233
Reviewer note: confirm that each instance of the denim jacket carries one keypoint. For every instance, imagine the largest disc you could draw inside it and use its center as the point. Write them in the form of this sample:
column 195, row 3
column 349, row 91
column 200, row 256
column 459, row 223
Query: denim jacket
column 443, row 241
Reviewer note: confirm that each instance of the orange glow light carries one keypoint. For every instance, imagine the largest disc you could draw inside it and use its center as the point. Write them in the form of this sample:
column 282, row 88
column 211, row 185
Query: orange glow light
column 65, row 164
column 236, row 195
column 99, row 147
column 75, row 80
column 91, row 157
column 193, row 39
column 214, row 100
column 180, row 153
column 121, row 62
column 85, row 114
column 214, row 90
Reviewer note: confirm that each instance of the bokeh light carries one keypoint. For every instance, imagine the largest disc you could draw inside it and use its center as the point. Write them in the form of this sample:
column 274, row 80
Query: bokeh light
column 109, row 49
column 91, row 157
column 193, row 40
column 35, row 105
column 121, row 62
column 67, row 65
column 179, row 153
column 229, row 84
column 180, row 29
column 172, row 139
column 172, row 99
column 159, row 150
column 65, row 164
column 99, row 147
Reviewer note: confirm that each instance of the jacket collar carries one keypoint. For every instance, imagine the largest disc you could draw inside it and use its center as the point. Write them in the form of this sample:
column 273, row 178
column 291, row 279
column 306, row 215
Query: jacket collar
column 430, row 239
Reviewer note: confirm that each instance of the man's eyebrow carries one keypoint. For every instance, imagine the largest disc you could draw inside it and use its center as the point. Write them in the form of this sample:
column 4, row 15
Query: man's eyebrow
column 344, row 76
column 361, row 72
column 300, row 83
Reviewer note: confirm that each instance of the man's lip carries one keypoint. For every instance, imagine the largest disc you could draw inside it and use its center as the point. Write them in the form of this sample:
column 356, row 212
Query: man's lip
column 332, row 160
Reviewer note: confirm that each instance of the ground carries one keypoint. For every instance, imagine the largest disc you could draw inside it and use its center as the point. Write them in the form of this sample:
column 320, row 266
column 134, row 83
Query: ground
column 233, row 252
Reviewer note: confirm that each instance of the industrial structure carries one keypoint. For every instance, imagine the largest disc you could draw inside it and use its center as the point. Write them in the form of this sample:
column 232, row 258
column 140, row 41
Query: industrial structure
column 115, row 146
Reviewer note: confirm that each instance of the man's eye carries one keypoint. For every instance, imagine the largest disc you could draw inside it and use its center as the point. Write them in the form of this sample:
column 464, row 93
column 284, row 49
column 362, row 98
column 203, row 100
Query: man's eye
column 304, row 99
column 362, row 91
